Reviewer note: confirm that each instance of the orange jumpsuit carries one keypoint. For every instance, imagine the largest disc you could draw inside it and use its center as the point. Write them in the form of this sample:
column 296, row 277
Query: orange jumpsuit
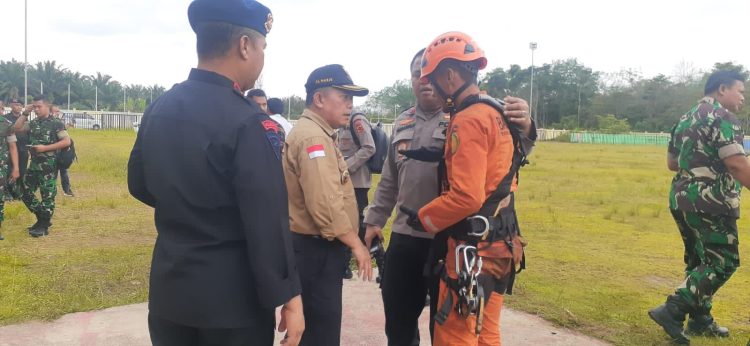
column 478, row 155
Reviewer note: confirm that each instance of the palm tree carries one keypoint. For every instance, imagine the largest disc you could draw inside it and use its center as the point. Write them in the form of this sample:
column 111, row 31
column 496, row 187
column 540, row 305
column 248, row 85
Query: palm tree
column 7, row 90
column 53, row 77
column 11, row 72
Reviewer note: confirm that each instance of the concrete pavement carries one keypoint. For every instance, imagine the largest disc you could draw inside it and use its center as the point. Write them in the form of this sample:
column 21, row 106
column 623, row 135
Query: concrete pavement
column 362, row 325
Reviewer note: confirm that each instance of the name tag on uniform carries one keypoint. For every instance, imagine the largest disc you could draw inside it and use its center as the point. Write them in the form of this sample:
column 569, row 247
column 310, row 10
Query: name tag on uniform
column 316, row 151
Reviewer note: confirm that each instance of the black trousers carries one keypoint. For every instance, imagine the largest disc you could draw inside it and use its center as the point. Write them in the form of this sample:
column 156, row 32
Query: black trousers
column 167, row 333
column 405, row 289
column 362, row 201
column 65, row 180
column 319, row 263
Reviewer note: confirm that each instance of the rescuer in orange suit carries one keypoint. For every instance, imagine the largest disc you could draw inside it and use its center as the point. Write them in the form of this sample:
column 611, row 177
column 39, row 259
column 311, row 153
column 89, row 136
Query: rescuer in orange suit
column 480, row 177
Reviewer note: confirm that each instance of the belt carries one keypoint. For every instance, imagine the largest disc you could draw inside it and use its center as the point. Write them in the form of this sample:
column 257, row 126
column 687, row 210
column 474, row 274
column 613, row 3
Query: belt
column 317, row 239
column 314, row 236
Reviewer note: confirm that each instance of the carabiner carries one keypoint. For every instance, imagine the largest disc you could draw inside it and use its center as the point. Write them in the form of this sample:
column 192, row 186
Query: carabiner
column 484, row 233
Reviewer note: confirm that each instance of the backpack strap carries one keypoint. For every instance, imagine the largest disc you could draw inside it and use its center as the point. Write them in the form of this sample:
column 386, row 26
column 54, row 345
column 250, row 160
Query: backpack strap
column 489, row 208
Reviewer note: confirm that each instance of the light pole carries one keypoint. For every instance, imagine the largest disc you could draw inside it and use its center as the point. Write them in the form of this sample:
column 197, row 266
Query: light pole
column 578, row 119
column 96, row 98
column 394, row 112
column 68, row 95
column 25, row 52
column 532, row 46
column 124, row 98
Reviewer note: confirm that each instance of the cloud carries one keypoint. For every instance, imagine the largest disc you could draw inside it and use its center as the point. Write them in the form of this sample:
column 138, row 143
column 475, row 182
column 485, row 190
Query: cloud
column 150, row 41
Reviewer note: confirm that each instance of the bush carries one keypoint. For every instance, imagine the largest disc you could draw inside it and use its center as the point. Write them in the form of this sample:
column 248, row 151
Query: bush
column 610, row 124
column 565, row 138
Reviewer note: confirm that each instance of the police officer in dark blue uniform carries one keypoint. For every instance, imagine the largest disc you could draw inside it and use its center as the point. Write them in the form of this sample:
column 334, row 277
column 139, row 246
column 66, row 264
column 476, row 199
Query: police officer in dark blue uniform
column 209, row 162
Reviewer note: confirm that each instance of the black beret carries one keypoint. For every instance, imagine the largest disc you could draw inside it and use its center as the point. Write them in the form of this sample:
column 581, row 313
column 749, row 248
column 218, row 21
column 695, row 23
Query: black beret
column 246, row 13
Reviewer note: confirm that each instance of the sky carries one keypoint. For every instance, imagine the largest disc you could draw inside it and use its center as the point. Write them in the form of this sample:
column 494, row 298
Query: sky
column 150, row 41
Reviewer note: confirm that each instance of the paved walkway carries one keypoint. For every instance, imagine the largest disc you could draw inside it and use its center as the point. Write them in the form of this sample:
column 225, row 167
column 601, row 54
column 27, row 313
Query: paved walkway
column 362, row 325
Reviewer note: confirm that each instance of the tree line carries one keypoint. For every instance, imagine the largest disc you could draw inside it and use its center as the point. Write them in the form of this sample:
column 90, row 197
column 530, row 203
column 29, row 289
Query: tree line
column 567, row 94
column 87, row 92
column 570, row 95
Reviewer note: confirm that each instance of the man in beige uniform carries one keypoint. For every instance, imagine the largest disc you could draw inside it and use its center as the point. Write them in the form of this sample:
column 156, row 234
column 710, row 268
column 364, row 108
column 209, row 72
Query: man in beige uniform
column 407, row 182
column 322, row 210
column 356, row 152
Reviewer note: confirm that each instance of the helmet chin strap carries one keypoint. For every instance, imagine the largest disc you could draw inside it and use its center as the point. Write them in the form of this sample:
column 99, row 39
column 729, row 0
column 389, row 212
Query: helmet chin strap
column 450, row 105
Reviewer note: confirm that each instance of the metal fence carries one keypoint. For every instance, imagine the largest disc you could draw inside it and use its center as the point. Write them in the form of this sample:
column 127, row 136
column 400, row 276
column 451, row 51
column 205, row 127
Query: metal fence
column 625, row 138
column 120, row 121
column 102, row 120
column 549, row 134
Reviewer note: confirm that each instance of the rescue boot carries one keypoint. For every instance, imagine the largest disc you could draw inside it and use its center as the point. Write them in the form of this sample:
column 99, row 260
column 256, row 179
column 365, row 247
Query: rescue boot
column 705, row 325
column 671, row 317
column 42, row 229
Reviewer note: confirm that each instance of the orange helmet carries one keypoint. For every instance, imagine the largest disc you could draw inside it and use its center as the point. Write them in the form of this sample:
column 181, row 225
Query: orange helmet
column 451, row 45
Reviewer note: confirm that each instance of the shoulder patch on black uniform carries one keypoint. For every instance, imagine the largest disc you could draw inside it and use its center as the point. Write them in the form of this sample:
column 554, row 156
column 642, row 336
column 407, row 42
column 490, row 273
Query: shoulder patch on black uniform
column 274, row 136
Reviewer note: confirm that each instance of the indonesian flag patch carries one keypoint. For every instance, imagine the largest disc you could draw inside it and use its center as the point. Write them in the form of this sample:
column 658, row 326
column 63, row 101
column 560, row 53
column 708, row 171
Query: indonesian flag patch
column 315, row 151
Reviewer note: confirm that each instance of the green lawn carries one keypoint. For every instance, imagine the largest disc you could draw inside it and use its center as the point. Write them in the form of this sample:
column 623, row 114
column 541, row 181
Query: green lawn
column 603, row 248
column 99, row 249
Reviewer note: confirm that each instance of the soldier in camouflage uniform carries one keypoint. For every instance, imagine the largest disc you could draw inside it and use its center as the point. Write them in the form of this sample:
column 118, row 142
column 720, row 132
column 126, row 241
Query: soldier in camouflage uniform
column 13, row 189
column 706, row 150
column 8, row 161
column 47, row 135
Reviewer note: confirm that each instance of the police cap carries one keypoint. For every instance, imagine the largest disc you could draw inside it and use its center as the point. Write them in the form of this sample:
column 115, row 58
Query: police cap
column 333, row 76
column 246, row 13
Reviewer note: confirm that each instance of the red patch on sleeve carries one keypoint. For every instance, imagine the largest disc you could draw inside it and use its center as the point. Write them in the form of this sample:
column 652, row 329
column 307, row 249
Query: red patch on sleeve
column 270, row 125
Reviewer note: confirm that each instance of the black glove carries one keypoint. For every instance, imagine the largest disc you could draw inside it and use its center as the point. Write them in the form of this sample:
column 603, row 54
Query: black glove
column 412, row 219
column 431, row 154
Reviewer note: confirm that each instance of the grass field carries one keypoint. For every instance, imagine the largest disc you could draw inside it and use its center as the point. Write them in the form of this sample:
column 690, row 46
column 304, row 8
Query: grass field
column 603, row 248
column 99, row 249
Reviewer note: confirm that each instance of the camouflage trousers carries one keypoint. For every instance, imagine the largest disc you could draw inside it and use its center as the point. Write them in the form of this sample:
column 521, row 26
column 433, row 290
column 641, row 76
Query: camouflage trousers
column 4, row 174
column 711, row 256
column 46, row 182
column 15, row 189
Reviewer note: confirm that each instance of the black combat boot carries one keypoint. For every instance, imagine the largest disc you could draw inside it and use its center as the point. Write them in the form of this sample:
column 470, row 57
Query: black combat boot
column 35, row 225
column 42, row 228
column 671, row 316
column 705, row 325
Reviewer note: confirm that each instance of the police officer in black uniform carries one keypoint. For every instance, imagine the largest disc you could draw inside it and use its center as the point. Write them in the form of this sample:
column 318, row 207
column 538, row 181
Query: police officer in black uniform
column 209, row 162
